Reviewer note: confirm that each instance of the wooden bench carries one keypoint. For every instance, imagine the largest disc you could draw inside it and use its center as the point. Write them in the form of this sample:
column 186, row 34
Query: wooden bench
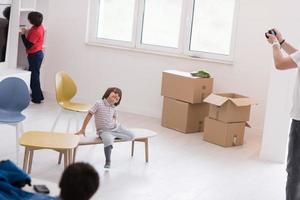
column 141, row 135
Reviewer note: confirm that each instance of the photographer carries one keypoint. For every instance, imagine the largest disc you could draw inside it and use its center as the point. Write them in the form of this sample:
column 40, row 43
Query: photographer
column 284, row 62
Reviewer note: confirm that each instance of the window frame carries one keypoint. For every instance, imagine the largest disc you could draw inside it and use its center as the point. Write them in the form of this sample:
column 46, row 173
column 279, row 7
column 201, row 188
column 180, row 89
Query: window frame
column 140, row 45
column 184, row 38
column 209, row 55
column 93, row 27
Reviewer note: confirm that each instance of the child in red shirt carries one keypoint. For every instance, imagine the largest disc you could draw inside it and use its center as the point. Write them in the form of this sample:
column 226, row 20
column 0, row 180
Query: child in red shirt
column 33, row 40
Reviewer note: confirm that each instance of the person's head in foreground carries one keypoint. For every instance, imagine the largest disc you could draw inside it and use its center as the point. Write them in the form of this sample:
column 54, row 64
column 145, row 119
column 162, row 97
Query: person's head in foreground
column 79, row 181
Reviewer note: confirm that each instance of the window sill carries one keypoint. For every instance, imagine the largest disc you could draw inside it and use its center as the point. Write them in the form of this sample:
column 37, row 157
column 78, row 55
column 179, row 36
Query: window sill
column 196, row 58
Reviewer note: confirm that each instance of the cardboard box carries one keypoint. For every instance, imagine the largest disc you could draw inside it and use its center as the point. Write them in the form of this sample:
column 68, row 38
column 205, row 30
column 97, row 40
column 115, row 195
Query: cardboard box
column 229, row 107
column 185, row 87
column 222, row 133
column 182, row 116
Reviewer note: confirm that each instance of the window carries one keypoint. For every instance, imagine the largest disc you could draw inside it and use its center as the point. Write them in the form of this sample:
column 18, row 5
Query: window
column 116, row 19
column 212, row 26
column 197, row 28
column 161, row 23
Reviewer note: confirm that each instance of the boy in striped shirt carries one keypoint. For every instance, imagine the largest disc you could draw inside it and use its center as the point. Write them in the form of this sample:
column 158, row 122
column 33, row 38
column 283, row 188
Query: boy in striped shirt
column 106, row 123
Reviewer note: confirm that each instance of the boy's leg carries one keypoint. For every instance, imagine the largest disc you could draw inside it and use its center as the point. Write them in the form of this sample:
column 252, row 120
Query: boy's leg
column 108, row 140
column 123, row 133
column 107, row 152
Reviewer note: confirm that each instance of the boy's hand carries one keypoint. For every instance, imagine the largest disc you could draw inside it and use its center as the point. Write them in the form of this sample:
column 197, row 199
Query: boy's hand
column 81, row 132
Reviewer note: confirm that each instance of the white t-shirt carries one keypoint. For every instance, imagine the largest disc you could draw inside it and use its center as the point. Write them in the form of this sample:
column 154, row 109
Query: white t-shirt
column 105, row 115
column 295, row 112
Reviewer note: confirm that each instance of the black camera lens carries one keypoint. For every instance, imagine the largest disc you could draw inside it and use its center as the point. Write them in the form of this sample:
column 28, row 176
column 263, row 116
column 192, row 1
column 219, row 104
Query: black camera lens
column 272, row 32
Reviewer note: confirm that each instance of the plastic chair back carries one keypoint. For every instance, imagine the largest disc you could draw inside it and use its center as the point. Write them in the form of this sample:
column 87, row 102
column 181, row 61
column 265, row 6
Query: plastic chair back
column 14, row 95
column 65, row 87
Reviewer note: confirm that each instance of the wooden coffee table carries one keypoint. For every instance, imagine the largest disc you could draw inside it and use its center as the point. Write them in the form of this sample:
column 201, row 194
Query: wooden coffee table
column 36, row 140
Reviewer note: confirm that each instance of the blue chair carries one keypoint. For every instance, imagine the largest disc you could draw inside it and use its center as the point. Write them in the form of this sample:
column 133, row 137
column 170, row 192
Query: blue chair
column 14, row 98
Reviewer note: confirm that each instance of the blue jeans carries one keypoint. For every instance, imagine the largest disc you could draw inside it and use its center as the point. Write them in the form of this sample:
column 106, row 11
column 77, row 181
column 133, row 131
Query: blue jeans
column 35, row 62
column 293, row 163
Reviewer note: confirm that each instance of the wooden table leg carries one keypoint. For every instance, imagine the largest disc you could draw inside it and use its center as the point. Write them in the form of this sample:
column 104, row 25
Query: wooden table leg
column 30, row 160
column 132, row 148
column 70, row 156
column 59, row 158
column 74, row 154
column 66, row 159
column 25, row 162
column 146, row 150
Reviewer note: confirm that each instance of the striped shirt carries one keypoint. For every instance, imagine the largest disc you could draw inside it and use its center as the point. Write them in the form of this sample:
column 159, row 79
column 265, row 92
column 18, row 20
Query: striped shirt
column 105, row 115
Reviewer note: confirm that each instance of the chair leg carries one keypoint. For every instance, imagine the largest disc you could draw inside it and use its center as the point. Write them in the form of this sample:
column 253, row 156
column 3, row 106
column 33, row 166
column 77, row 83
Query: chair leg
column 19, row 132
column 69, row 124
column 77, row 120
column 132, row 148
column 56, row 120
column 21, row 129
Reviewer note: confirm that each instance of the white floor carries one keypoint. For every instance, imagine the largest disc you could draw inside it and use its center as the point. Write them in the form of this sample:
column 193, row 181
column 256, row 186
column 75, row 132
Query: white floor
column 181, row 166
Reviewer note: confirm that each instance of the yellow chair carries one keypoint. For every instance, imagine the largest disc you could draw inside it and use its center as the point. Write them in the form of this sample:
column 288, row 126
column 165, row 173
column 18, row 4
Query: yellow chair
column 66, row 89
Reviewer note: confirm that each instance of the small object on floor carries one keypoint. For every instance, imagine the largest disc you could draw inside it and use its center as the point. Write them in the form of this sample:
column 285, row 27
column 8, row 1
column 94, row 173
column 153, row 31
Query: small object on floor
column 41, row 189
column 201, row 73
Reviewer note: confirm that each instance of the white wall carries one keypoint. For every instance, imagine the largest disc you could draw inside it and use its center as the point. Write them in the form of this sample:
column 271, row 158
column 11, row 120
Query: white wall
column 279, row 100
column 139, row 74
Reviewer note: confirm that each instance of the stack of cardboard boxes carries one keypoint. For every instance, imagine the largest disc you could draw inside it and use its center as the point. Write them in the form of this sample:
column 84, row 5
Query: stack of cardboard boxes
column 183, row 106
column 228, row 116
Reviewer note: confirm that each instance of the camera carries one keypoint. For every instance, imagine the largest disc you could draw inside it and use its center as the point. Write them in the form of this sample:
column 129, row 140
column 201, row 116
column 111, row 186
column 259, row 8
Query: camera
column 271, row 31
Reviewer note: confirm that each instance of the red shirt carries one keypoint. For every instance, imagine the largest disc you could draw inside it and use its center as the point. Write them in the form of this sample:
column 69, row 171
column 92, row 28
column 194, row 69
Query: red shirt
column 36, row 37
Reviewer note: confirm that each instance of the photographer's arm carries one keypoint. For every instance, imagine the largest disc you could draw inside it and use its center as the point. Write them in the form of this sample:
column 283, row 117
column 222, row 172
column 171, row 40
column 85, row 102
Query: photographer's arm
column 282, row 62
column 287, row 47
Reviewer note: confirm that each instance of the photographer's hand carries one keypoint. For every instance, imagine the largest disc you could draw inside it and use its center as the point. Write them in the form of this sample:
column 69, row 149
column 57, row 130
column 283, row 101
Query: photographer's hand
column 272, row 38
column 278, row 35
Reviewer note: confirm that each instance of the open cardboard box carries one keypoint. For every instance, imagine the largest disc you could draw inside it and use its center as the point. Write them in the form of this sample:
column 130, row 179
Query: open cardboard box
column 229, row 107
